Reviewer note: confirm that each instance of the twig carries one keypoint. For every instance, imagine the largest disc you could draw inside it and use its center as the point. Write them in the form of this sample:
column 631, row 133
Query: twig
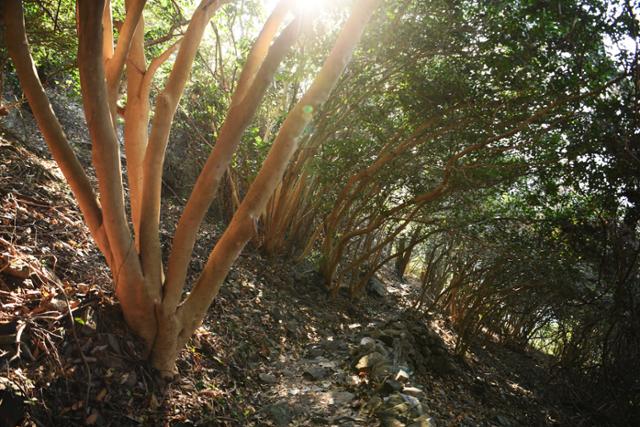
column 19, row 331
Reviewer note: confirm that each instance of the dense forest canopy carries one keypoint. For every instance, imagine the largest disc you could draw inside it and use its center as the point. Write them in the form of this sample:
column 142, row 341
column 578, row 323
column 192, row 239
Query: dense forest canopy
column 489, row 151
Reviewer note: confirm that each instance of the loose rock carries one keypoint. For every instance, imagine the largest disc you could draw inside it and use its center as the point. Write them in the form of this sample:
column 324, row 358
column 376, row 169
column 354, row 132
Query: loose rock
column 423, row 421
column 279, row 413
column 316, row 373
column 342, row 397
column 402, row 376
column 377, row 287
column 268, row 378
column 412, row 391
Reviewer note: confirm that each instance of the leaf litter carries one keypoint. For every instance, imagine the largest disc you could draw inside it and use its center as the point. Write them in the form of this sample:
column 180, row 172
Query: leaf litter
column 274, row 349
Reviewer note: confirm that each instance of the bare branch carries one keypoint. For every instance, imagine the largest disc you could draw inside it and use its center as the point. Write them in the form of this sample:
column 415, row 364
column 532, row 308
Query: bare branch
column 106, row 153
column 204, row 191
column 107, row 32
column 242, row 225
column 136, row 124
column 157, row 63
column 259, row 51
column 166, row 105
column 115, row 64
column 18, row 47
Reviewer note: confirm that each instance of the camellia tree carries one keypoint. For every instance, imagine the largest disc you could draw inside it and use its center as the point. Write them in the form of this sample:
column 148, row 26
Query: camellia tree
column 446, row 102
column 150, row 293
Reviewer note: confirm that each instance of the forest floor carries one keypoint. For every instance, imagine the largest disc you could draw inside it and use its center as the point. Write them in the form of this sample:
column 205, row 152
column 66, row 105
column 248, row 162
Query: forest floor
column 274, row 350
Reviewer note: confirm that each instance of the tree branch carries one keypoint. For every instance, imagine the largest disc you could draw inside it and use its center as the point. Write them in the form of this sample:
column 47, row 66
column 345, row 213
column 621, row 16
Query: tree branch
column 259, row 51
column 115, row 64
column 136, row 123
column 106, row 153
column 204, row 191
column 242, row 225
column 107, row 32
column 18, row 47
column 155, row 64
column 166, row 105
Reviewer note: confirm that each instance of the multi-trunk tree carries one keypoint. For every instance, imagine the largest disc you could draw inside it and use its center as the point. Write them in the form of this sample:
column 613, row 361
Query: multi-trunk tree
column 152, row 294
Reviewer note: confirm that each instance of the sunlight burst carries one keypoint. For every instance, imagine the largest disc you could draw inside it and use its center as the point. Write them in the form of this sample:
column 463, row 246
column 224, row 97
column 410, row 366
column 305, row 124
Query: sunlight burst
column 309, row 6
column 301, row 6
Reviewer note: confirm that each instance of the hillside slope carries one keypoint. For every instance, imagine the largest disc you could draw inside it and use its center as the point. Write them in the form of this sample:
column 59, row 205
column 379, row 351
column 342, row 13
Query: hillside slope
column 274, row 350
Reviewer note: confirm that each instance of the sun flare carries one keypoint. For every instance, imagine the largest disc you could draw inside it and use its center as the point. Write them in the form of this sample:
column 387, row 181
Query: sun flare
column 309, row 6
column 301, row 6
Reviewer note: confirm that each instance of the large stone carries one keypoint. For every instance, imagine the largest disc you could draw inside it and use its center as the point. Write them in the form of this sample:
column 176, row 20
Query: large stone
column 374, row 404
column 423, row 421
column 376, row 364
column 388, row 335
column 402, row 376
column 387, row 339
column 316, row 373
column 268, row 378
column 414, row 404
column 334, row 345
column 366, row 341
column 377, row 287
column 401, row 409
column 370, row 360
column 393, row 400
column 390, row 386
column 392, row 422
column 367, row 345
column 412, row 391
column 288, row 373
column 342, row 397
column 402, row 406
column 370, row 345
column 279, row 413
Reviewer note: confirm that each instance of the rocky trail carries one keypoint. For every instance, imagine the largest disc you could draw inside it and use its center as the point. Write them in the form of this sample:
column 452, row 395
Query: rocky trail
column 275, row 349
column 383, row 366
